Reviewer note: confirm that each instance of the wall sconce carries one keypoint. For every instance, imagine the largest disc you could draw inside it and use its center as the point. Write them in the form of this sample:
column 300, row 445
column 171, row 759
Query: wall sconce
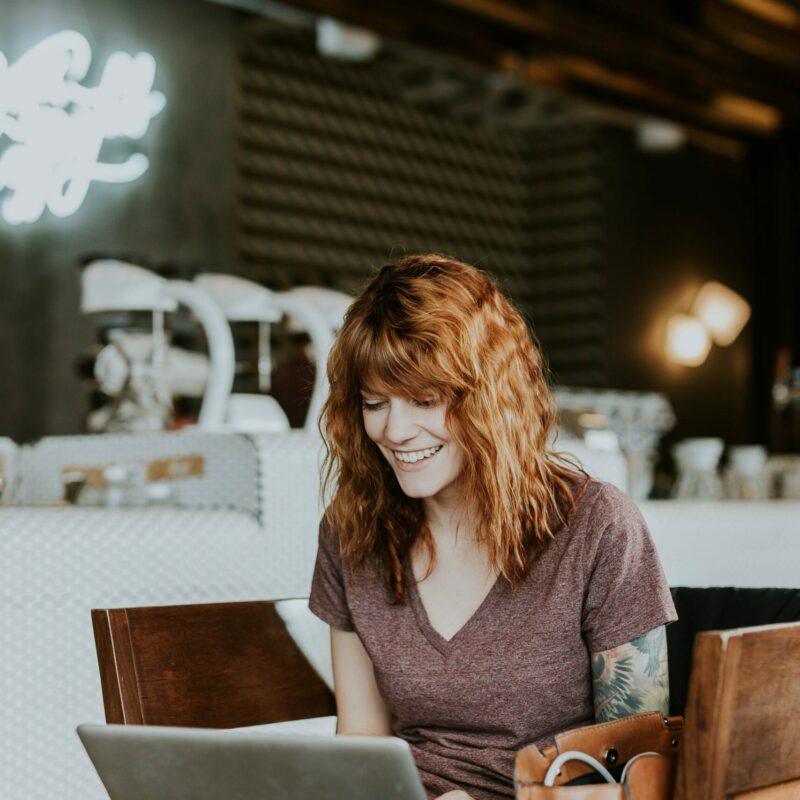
column 688, row 341
column 718, row 314
column 722, row 311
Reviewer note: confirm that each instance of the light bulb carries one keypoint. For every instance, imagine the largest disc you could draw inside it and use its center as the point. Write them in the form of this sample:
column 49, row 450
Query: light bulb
column 687, row 341
column 722, row 311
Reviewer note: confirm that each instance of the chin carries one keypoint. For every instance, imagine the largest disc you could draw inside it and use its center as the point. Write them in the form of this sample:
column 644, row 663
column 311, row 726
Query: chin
column 417, row 492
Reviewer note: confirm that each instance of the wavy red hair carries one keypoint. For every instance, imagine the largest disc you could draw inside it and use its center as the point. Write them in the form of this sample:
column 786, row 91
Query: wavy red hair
column 432, row 325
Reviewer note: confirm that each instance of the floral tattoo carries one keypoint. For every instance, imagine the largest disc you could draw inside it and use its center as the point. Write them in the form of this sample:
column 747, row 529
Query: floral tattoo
column 632, row 678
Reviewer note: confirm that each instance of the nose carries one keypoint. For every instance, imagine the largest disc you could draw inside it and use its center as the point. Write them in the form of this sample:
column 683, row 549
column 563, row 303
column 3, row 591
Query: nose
column 400, row 423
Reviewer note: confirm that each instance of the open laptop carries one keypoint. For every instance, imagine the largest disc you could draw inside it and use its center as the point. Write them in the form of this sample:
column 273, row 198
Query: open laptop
column 160, row 763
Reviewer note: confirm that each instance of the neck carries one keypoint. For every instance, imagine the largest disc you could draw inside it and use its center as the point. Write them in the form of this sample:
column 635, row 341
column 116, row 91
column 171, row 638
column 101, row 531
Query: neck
column 449, row 523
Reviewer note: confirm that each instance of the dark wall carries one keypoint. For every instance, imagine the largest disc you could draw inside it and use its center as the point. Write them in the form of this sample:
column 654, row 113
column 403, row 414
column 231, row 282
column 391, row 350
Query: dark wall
column 343, row 170
column 180, row 210
column 776, row 168
column 670, row 223
column 673, row 222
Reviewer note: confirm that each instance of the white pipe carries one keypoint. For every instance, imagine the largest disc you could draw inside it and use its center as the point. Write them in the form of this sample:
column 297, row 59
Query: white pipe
column 220, row 351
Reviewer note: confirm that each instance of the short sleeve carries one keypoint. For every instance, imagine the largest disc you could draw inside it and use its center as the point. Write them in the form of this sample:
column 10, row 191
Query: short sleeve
column 328, row 599
column 626, row 593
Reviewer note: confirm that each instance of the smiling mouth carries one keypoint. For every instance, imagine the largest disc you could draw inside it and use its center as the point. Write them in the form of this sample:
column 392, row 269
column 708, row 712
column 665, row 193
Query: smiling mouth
column 413, row 456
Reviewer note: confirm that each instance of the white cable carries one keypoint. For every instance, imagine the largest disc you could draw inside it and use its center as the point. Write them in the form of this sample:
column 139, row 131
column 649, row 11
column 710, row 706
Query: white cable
column 625, row 771
column 575, row 755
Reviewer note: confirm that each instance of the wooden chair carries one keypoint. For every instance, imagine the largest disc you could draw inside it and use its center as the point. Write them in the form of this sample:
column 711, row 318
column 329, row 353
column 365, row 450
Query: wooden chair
column 222, row 665
column 742, row 732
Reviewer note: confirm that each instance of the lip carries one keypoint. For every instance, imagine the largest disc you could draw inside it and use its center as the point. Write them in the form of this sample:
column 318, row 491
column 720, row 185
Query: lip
column 417, row 465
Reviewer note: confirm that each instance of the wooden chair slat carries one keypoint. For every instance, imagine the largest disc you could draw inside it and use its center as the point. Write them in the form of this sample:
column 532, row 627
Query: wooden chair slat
column 742, row 732
column 219, row 665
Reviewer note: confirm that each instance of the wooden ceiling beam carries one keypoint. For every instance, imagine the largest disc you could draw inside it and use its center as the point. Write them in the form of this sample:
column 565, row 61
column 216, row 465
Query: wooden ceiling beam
column 620, row 51
column 771, row 11
column 752, row 35
column 724, row 115
column 630, row 36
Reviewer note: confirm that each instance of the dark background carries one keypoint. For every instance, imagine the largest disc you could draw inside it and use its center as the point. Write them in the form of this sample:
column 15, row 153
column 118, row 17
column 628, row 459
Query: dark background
column 664, row 224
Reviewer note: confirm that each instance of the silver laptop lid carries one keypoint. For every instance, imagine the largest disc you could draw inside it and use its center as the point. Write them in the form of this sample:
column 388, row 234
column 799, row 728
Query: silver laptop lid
column 160, row 763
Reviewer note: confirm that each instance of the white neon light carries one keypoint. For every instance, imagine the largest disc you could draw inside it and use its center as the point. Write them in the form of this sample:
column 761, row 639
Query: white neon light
column 54, row 128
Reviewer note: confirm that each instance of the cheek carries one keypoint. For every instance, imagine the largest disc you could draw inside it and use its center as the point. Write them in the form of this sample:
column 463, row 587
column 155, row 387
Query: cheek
column 372, row 426
column 457, row 458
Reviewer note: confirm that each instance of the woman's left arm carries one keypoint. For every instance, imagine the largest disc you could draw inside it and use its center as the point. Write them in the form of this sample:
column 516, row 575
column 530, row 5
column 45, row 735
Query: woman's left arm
column 632, row 678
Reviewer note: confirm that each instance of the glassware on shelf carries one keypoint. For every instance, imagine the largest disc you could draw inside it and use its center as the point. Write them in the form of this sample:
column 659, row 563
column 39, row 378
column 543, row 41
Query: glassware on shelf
column 697, row 461
column 124, row 485
column 639, row 419
column 746, row 477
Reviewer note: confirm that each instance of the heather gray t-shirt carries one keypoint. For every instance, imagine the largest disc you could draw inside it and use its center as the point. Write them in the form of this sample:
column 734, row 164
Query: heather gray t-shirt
column 519, row 670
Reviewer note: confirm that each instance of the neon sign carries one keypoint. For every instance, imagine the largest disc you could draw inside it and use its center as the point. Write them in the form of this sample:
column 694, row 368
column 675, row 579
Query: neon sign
column 53, row 128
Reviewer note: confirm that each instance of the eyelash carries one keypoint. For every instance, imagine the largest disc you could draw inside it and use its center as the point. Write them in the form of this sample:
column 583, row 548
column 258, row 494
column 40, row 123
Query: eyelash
column 366, row 406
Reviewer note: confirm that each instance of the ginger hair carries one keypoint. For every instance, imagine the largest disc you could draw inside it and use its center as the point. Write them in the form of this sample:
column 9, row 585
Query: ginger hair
column 432, row 325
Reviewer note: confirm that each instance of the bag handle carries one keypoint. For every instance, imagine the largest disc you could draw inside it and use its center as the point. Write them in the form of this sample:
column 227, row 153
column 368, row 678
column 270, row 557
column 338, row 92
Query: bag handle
column 575, row 755
column 614, row 743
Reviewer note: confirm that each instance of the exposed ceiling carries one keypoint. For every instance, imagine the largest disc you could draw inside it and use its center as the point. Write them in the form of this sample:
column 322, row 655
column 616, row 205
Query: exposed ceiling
column 728, row 70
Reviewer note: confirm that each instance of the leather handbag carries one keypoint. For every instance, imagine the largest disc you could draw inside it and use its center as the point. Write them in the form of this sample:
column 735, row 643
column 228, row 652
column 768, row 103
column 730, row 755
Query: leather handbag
column 646, row 745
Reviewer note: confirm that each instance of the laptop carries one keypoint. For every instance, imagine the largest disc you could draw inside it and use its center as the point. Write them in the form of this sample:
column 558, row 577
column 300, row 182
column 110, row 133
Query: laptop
column 161, row 763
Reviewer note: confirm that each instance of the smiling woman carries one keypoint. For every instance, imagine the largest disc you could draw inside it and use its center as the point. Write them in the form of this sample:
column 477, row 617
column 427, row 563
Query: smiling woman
column 483, row 593
column 414, row 438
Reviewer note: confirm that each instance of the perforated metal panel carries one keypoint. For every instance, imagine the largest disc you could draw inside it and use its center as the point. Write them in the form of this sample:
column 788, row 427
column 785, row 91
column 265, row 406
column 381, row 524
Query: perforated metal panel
column 338, row 174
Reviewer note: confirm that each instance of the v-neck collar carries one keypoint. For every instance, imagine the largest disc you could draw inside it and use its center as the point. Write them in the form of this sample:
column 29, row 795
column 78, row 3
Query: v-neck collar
column 446, row 646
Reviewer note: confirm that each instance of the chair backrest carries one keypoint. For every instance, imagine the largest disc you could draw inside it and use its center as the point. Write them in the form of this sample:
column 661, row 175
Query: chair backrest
column 220, row 665
column 742, row 734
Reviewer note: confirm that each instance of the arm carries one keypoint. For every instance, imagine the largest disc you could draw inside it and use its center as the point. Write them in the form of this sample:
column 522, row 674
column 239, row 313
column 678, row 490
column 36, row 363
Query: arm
column 360, row 707
column 632, row 678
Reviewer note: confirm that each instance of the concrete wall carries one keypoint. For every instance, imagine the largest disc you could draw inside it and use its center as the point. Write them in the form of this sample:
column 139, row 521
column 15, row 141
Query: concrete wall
column 182, row 209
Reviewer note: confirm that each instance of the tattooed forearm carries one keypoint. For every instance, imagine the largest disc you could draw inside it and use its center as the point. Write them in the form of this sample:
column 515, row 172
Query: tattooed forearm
column 632, row 678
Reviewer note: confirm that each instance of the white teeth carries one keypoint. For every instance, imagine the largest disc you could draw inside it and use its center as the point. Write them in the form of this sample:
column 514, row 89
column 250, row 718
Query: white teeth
column 416, row 455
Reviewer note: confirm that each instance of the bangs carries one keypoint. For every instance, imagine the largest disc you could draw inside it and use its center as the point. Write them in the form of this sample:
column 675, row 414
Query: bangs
column 386, row 363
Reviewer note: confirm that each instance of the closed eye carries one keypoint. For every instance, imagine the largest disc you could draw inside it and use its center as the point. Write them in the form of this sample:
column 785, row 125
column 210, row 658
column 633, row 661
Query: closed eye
column 375, row 405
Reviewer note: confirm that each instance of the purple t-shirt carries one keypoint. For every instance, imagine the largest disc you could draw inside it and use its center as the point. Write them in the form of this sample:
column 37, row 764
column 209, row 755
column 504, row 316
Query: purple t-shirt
column 519, row 670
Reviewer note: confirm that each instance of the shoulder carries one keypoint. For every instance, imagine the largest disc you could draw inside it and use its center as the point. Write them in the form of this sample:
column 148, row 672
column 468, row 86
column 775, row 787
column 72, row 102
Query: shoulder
column 333, row 554
column 329, row 544
column 605, row 521
column 601, row 504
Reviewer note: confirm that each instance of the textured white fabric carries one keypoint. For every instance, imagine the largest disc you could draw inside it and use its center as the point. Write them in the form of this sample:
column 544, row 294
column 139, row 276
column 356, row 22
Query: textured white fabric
column 315, row 726
column 311, row 634
column 230, row 477
column 58, row 563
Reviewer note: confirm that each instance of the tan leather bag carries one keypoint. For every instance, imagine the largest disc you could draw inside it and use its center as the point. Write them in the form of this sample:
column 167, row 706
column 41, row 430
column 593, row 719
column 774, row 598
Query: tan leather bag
column 630, row 741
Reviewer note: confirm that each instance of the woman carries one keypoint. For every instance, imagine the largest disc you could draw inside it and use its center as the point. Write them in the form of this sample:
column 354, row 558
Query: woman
column 482, row 594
